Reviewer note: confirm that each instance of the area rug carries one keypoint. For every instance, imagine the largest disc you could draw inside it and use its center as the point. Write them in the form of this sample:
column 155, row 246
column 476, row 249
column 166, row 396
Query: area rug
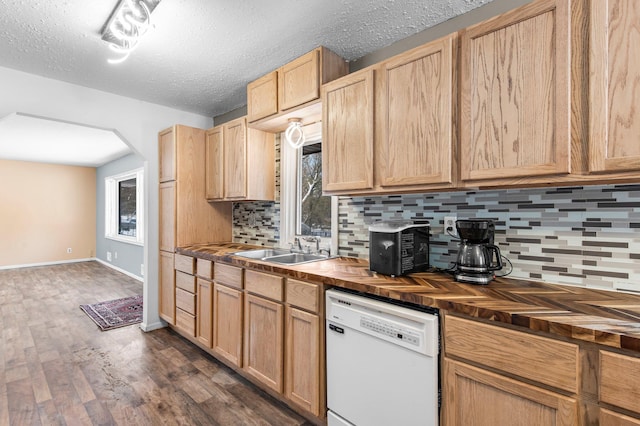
column 115, row 313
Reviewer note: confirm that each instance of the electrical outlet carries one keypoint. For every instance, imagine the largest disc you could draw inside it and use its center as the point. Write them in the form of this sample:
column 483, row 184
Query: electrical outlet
column 108, row 256
column 450, row 225
column 142, row 269
column 69, row 250
column 115, row 254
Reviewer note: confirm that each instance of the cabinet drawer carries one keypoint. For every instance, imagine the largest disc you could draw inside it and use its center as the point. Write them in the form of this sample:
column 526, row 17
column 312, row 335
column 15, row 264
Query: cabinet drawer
column 303, row 295
column 264, row 284
column 537, row 358
column 184, row 263
column 228, row 275
column 620, row 380
column 186, row 282
column 204, row 268
column 186, row 301
column 186, row 322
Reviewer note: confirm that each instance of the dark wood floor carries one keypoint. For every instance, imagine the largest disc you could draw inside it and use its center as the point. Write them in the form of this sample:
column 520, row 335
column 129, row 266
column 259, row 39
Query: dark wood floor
column 57, row 367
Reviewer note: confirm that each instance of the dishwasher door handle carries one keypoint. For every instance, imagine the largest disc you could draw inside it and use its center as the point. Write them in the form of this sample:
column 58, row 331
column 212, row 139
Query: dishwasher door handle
column 335, row 328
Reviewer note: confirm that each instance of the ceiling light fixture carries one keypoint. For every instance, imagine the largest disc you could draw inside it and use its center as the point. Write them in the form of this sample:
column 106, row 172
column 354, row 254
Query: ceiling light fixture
column 294, row 133
column 130, row 20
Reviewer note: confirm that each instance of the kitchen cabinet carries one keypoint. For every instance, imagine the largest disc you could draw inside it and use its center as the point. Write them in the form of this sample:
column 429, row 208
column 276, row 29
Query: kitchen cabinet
column 185, row 216
column 166, row 296
column 613, row 86
column 240, row 163
column 611, row 418
column 484, row 398
column 293, row 90
column 263, row 329
column 204, row 311
column 227, row 313
column 304, row 349
column 347, row 129
column 185, row 294
column 619, row 383
column 515, row 79
column 490, row 371
column 390, row 128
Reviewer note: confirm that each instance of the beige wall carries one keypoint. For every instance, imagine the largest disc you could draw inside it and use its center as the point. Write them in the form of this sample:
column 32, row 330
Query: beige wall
column 45, row 209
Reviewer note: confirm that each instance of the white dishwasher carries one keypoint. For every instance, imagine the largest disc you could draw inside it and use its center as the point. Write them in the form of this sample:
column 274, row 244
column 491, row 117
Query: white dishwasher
column 382, row 362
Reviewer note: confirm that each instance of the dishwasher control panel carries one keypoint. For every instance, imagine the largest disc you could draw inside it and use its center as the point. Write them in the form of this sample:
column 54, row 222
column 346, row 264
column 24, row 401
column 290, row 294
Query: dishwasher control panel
column 412, row 329
column 390, row 330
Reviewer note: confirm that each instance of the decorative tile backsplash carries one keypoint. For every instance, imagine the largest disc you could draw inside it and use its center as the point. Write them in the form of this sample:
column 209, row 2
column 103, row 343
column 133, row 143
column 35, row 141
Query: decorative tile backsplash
column 586, row 236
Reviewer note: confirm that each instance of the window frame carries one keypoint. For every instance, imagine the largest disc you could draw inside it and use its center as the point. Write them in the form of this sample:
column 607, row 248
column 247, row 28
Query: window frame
column 112, row 207
column 290, row 166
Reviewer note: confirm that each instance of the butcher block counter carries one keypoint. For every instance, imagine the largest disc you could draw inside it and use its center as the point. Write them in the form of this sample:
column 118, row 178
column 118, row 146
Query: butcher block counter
column 514, row 349
column 604, row 317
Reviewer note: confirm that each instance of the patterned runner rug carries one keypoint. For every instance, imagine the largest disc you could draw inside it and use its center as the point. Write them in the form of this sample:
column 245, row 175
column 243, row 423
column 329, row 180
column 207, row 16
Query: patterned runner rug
column 115, row 313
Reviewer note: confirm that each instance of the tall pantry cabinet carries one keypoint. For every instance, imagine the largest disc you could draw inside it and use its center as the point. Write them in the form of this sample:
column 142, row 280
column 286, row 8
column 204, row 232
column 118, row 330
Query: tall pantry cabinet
column 185, row 216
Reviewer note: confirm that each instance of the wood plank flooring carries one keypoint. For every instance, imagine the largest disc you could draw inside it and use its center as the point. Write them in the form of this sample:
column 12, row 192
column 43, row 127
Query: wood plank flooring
column 58, row 368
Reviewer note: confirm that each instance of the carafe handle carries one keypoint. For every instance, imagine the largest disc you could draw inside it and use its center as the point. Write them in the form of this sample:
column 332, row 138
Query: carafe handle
column 496, row 251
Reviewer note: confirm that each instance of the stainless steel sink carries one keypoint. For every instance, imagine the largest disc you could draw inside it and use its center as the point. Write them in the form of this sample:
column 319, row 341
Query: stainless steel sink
column 281, row 256
column 262, row 253
column 296, row 258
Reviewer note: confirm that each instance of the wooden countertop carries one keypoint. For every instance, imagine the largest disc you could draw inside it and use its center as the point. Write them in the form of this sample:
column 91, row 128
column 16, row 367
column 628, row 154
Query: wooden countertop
column 605, row 317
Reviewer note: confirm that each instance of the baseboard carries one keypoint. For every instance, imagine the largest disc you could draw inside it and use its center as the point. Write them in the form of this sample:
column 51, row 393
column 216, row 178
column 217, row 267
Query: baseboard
column 109, row 265
column 153, row 326
column 58, row 262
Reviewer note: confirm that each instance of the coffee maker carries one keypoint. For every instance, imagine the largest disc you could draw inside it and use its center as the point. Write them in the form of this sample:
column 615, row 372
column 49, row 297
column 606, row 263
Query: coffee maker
column 478, row 258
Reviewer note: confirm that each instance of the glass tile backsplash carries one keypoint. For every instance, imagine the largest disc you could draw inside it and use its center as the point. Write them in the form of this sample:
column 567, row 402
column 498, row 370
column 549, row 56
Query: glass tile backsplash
column 587, row 236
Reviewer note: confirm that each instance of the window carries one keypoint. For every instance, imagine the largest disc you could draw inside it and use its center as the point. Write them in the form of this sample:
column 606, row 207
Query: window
column 124, row 207
column 303, row 208
column 313, row 208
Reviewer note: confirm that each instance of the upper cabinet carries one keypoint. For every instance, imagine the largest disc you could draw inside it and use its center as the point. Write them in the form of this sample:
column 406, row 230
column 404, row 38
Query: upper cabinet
column 614, row 86
column 292, row 91
column 347, row 129
column 515, row 91
column 390, row 128
column 240, row 163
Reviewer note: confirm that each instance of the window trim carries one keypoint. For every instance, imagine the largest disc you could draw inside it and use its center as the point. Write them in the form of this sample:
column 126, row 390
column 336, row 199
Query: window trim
column 290, row 163
column 112, row 207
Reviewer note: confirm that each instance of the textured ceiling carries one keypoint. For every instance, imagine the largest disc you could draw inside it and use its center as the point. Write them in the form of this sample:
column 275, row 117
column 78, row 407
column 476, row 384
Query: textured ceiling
column 202, row 53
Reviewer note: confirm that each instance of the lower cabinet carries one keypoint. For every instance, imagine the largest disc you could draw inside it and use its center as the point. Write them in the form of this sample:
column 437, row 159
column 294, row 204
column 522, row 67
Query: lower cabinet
column 302, row 354
column 611, row 418
column 167, row 291
column 267, row 327
column 476, row 397
column 263, row 341
column 204, row 315
column 227, row 323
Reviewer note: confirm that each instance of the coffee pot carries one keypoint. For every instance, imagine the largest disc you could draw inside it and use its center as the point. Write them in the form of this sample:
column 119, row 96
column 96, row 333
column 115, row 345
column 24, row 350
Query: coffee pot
column 478, row 258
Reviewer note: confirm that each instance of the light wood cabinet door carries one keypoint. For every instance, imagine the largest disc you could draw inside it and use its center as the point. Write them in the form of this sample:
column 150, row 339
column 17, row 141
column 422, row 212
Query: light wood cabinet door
column 299, row 81
column 262, row 97
column 347, row 129
column 227, row 323
column 214, row 169
column 167, row 292
column 614, row 86
column 167, row 155
column 620, row 380
column 474, row 397
column 204, row 314
column 515, row 89
column 263, row 341
column 235, row 159
column 611, row 418
column 416, row 145
column 302, row 360
column 167, row 218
